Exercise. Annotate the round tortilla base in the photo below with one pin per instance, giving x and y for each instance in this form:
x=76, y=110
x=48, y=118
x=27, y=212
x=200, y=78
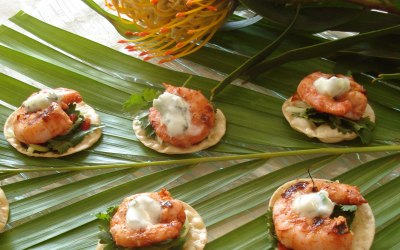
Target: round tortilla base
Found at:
x=197, y=237
x=4, y=210
x=87, y=142
x=363, y=225
x=216, y=133
x=323, y=132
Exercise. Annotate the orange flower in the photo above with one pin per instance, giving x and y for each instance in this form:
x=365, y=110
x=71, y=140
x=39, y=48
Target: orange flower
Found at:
x=171, y=29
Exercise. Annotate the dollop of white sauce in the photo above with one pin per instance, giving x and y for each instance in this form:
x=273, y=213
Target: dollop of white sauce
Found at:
x=175, y=114
x=313, y=205
x=142, y=211
x=334, y=86
x=41, y=100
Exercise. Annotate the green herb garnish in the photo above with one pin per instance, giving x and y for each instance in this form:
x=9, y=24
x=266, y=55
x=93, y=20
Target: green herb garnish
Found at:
x=348, y=208
x=141, y=101
x=347, y=211
x=62, y=143
x=104, y=228
x=145, y=124
x=72, y=110
x=363, y=127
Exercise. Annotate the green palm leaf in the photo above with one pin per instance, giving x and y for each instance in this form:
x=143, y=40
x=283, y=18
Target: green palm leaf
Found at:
x=55, y=209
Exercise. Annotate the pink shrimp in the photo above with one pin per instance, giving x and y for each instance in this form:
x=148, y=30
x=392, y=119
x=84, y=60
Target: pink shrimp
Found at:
x=325, y=233
x=39, y=126
x=202, y=116
x=171, y=221
x=68, y=96
x=351, y=104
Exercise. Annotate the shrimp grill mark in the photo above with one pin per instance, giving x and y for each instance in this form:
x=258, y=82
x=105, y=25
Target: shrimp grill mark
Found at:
x=318, y=221
x=204, y=118
x=44, y=114
x=294, y=188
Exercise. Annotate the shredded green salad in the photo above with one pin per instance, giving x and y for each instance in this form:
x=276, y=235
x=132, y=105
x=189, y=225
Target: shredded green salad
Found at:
x=362, y=127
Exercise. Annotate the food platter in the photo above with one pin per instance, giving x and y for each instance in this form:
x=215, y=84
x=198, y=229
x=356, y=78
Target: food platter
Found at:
x=55, y=209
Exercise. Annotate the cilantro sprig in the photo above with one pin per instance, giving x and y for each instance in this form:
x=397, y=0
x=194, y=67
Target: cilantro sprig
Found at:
x=347, y=211
x=141, y=101
x=362, y=127
x=72, y=110
x=139, y=104
x=104, y=228
x=62, y=143
x=143, y=118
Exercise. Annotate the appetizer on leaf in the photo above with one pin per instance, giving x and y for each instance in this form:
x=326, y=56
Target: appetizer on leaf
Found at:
x=321, y=214
x=53, y=123
x=332, y=108
x=151, y=221
x=183, y=121
x=4, y=210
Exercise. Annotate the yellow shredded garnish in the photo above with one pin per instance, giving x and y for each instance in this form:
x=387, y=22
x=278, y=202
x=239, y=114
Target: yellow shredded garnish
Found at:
x=171, y=29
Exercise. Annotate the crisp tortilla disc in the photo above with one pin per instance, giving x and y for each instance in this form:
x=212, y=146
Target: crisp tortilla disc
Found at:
x=363, y=225
x=216, y=133
x=323, y=132
x=197, y=232
x=4, y=210
x=88, y=141
x=197, y=237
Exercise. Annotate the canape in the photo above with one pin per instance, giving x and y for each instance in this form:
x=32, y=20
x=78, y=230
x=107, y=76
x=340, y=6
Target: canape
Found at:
x=53, y=123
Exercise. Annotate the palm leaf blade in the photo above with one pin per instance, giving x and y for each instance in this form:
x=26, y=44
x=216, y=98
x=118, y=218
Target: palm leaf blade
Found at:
x=46, y=216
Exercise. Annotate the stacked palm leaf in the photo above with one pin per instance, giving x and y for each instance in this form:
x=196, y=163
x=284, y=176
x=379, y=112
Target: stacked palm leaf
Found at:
x=55, y=209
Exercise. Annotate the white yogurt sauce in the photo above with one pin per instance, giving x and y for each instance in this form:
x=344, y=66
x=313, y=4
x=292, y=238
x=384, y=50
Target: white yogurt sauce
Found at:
x=313, y=205
x=333, y=86
x=41, y=100
x=142, y=211
x=175, y=114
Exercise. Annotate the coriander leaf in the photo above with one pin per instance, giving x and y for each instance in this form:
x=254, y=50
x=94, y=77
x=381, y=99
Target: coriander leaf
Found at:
x=135, y=103
x=72, y=109
x=104, y=228
x=108, y=214
x=365, y=131
x=77, y=123
x=150, y=94
x=77, y=136
x=347, y=211
x=141, y=101
x=60, y=146
x=348, y=208
x=62, y=143
x=145, y=124
x=362, y=127
x=80, y=135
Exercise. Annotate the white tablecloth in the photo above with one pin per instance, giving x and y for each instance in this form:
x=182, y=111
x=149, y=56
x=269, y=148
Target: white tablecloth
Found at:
x=9, y=8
